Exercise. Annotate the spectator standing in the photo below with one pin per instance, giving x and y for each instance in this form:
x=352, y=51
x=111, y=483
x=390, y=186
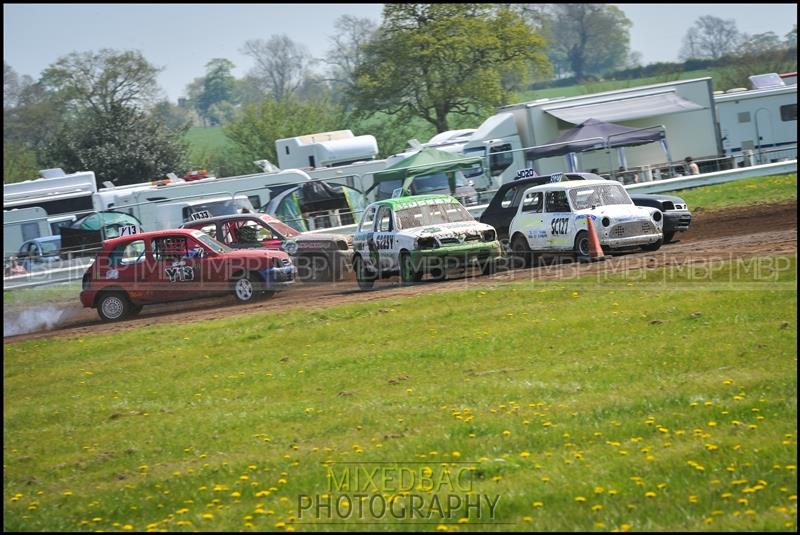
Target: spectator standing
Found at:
x=691, y=166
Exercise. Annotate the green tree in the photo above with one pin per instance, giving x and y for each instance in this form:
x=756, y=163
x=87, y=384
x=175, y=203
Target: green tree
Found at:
x=254, y=131
x=19, y=162
x=123, y=145
x=435, y=60
x=587, y=38
x=218, y=86
x=103, y=80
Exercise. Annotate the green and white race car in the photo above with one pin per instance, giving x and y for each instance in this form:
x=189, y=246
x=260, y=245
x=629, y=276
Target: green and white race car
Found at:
x=411, y=236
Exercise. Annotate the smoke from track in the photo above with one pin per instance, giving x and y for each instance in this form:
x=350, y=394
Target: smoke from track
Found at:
x=37, y=318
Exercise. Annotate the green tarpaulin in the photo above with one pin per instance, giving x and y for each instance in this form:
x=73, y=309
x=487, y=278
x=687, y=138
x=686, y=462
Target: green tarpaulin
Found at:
x=427, y=161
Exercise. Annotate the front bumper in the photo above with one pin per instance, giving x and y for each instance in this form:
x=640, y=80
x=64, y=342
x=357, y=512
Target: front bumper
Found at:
x=459, y=255
x=630, y=241
x=277, y=278
x=677, y=220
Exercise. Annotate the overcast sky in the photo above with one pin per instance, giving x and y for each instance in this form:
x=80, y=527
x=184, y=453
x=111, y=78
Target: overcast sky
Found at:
x=182, y=38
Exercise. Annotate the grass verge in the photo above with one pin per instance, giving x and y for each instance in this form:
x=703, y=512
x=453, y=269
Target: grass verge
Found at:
x=663, y=403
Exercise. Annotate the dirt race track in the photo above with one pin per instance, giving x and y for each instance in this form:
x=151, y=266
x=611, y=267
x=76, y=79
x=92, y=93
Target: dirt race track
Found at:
x=757, y=230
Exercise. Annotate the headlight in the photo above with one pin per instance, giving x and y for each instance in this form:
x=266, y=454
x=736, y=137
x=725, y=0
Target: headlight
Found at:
x=427, y=243
x=489, y=235
x=657, y=217
x=290, y=246
x=342, y=245
x=606, y=221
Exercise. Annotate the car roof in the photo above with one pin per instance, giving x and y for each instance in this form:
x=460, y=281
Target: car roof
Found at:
x=152, y=234
x=572, y=184
x=229, y=217
x=399, y=202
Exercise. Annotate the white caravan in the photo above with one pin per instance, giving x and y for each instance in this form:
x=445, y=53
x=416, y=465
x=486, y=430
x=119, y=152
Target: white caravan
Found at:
x=758, y=119
x=57, y=193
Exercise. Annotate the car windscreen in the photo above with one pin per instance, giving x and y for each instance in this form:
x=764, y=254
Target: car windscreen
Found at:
x=211, y=243
x=283, y=228
x=598, y=195
x=435, y=213
x=50, y=248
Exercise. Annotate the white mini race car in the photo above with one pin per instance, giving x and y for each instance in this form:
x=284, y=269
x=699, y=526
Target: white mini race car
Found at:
x=417, y=235
x=552, y=219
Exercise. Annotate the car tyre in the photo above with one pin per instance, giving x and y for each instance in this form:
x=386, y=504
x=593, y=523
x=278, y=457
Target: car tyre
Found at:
x=364, y=276
x=113, y=306
x=408, y=275
x=653, y=246
x=521, y=250
x=244, y=289
x=582, y=244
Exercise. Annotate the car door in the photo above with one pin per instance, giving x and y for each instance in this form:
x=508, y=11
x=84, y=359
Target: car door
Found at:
x=385, y=239
x=128, y=267
x=175, y=274
x=364, y=239
x=558, y=220
x=531, y=219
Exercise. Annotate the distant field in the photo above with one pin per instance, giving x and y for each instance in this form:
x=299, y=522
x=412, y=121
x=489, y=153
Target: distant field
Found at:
x=611, y=85
x=204, y=141
x=666, y=404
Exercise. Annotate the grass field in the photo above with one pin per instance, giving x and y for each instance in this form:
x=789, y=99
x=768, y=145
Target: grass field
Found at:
x=658, y=404
x=766, y=189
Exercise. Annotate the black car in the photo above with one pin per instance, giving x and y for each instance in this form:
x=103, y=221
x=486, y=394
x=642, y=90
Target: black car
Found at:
x=676, y=212
x=503, y=206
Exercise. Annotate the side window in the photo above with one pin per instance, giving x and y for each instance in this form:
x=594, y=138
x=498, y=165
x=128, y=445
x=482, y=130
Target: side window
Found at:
x=266, y=233
x=127, y=253
x=532, y=202
x=789, y=112
x=368, y=220
x=499, y=162
x=556, y=201
x=385, y=219
x=169, y=248
x=248, y=231
x=211, y=230
x=30, y=231
x=508, y=198
x=255, y=201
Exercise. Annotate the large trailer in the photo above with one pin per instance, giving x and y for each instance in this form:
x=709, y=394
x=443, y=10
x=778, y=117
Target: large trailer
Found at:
x=21, y=225
x=757, y=119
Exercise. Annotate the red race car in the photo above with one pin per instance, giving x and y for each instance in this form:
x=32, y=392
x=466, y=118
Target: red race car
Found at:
x=317, y=257
x=176, y=265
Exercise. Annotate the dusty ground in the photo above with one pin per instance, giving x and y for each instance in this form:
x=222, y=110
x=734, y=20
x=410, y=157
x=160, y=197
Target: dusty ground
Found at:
x=757, y=230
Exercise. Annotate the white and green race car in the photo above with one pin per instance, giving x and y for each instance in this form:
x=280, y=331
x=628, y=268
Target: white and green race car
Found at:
x=411, y=236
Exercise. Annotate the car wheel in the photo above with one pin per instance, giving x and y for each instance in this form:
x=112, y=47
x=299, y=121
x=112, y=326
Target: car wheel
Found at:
x=408, y=275
x=653, y=246
x=668, y=236
x=243, y=289
x=582, y=244
x=521, y=250
x=364, y=276
x=113, y=306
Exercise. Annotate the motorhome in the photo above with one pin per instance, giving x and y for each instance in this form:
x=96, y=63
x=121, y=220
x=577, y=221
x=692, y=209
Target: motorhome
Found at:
x=758, y=119
x=325, y=149
x=56, y=192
